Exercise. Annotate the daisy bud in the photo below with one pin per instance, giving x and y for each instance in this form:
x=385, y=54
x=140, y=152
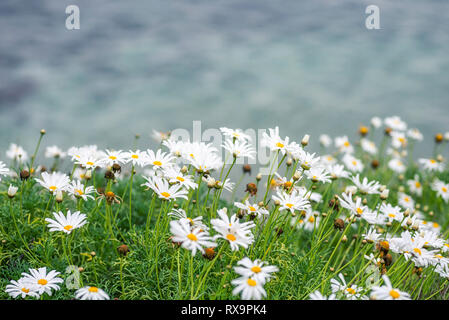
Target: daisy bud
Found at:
x=384, y=194
x=351, y=189
x=363, y=131
x=365, y=202
x=297, y=176
x=184, y=170
x=12, y=191
x=247, y=169
x=175, y=205
x=426, y=208
x=277, y=203
x=331, y=269
x=80, y=269
x=431, y=213
x=88, y=175
x=415, y=226
x=59, y=196
x=289, y=162
x=344, y=239
x=24, y=175
x=240, y=214
x=389, y=224
x=339, y=224
x=123, y=249
x=211, y=183
x=401, y=189
x=259, y=177
x=43, y=131
x=401, y=177
x=92, y=253
x=365, y=241
x=375, y=164
x=305, y=140
x=251, y=188
x=439, y=138
x=404, y=153
x=109, y=175
x=440, y=158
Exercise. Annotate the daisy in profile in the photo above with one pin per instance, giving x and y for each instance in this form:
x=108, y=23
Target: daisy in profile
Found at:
x=204, y=157
x=406, y=201
x=159, y=160
x=112, y=157
x=67, y=223
x=249, y=288
x=306, y=160
x=291, y=201
x=343, y=145
x=137, y=158
x=160, y=136
x=325, y=140
x=356, y=207
x=337, y=171
x=175, y=147
x=190, y=239
x=368, y=146
x=253, y=209
x=89, y=161
x=387, y=292
x=54, y=182
x=371, y=235
x=41, y=281
x=80, y=191
x=4, y=171
x=21, y=288
x=230, y=229
x=54, y=152
x=352, y=163
x=431, y=165
x=239, y=149
x=317, y=295
x=235, y=134
x=257, y=270
x=164, y=190
x=365, y=186
x=175, y=176
x=415, y=134
x=415, y=186
x=91, y=293
x=16, y=153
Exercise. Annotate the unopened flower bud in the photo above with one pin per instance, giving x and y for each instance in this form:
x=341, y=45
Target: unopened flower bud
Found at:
x=184, y=170
x=59, y=196
x=289, y=162
x=12, y=191
x=305, y=140
x=88, y=174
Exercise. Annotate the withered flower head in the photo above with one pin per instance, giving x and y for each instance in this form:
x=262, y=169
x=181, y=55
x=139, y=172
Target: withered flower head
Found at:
x=24, y=175
x=123, y=249
x=247, y=169
x=251, y=188
x=339, y=224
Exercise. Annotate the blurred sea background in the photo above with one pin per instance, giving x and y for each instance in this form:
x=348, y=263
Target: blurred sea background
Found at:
x=307, y=66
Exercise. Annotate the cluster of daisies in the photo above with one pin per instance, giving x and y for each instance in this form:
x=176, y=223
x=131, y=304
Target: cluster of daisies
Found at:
x=174, y=173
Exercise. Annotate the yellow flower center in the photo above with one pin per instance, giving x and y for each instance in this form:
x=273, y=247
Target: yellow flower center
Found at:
x=251, y=282
x=112, y=157
x=347, y=144
x=359, y=211
x=42, y=282
x=406, y=199
x=394, y=294
x=417, y=184
x=252, y=209
x=279, y=145
x=392, y=215
x=79, y=192
x=354, y=163
x=256, y=269
x=432, y=161
x=435, y=225
x=165, y=194
x=135, y=156
x=290, y=205
x=25, y=290
x=192, y=237
x=231, y=237
x=181, y=179
x=418, y=251
x=90, y=163
x=53, y=188
x=350, y=290
x=68, y=227
x=157, y=163
x=444, y=189
x=93, y=289
x=312, y=219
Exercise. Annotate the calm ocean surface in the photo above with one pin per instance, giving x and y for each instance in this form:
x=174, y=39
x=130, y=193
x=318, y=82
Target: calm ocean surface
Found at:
x=307, y=66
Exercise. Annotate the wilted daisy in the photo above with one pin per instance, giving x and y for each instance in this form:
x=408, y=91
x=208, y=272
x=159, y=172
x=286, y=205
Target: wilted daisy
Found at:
x=4, y=171
x=54, y=182
x=42, y=281
x=387, y=292
x=54, y=152
x=67, y=223
x=164, y=190
x=21, y=288
x=190, y=239
x=249, y=288
x=257, y=270
x=91, y=293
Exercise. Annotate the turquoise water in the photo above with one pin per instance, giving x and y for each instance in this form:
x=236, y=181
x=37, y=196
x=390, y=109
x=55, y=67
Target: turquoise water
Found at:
x=307, y=66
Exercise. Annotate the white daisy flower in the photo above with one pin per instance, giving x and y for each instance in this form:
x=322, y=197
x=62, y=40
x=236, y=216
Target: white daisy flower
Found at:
x=256, y=270
x=325, y=140
x=406, y=201
x=376, y=122
x=137, y=158
x=235, y=134
x=91, y=293
x=415, y=186
x=112, y=157
x=431, y=165
x=164, y=190
x=291, y=201
x=16, y=153
x=252, y=209
x=54, y=152
x=4, y=171
x=365, y=186
x=230, y=229
x=317, y=295
x=190, y=239
x=368, y=146
x=395, y=123
x=21, y=288
x=387, y=292
x=249, y=288
x=42, y=281
x=274, y=142
x=239, y=149
x=79, y=190
x=352, y=163
x=54, y=182
x=159, y=160
x=415, y=134
x=67, y=223
x=343, y=145
x=397, y=165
